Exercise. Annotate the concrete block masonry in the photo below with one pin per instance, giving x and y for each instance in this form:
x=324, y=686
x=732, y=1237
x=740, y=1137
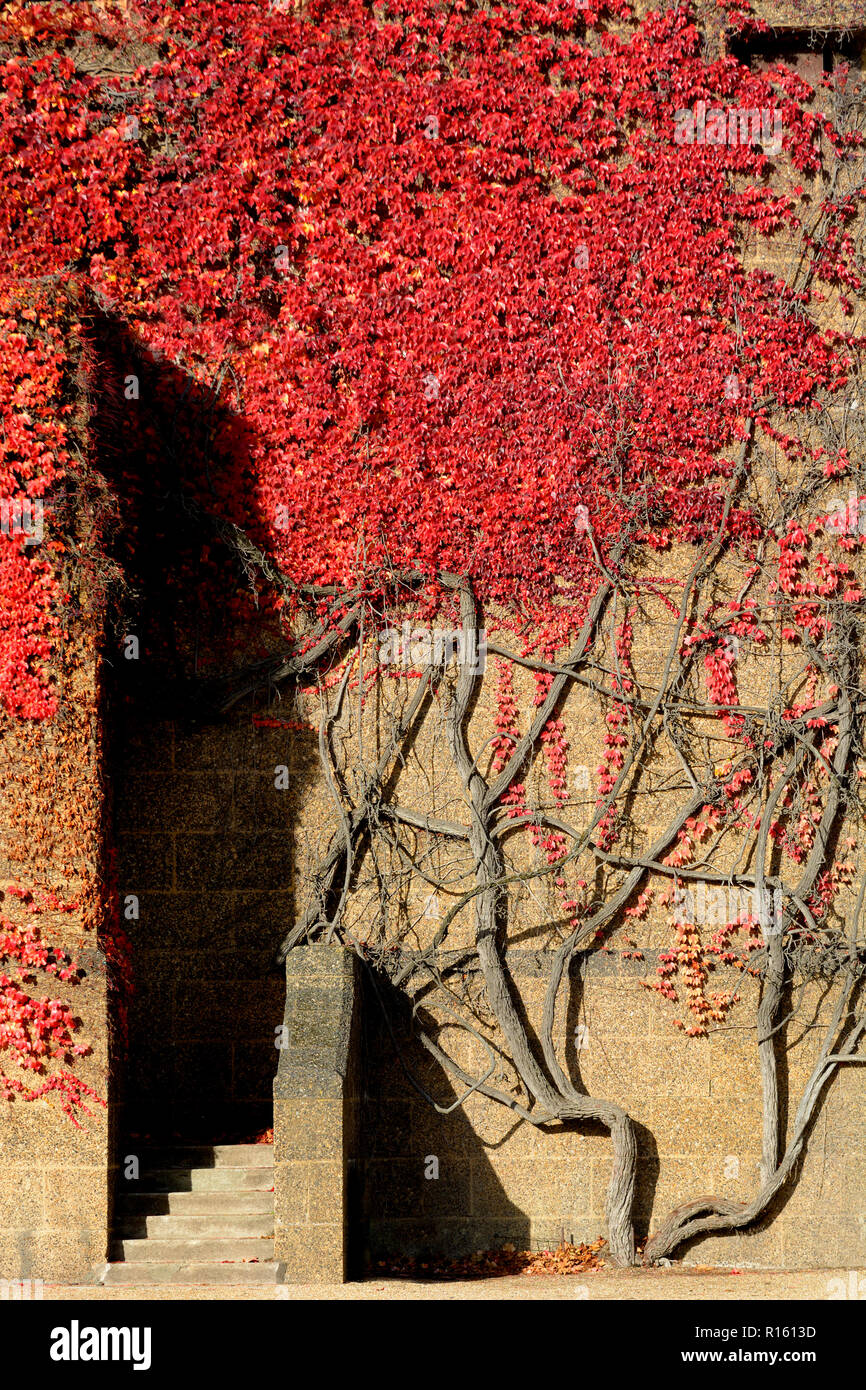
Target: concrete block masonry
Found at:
x=316, y=1122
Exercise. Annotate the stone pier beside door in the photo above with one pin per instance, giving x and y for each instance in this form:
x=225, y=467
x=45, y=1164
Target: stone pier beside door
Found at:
x=316, y=1120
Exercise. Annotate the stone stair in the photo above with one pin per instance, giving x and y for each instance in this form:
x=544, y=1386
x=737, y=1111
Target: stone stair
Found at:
x=202, y=1215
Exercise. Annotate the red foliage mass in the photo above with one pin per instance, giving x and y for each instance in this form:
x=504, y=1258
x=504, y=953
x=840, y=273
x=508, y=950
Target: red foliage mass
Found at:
x=463, y=298
x=451, y=264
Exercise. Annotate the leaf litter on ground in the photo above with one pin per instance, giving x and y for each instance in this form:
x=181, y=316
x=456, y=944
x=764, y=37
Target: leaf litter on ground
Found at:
x=486, y=1264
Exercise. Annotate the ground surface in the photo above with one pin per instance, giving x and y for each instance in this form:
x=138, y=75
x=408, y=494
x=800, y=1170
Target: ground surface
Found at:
x=663, y=1284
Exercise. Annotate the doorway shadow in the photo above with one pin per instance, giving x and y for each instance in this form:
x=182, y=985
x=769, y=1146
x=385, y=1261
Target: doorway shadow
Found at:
x=202, y=805
x=427, y=1187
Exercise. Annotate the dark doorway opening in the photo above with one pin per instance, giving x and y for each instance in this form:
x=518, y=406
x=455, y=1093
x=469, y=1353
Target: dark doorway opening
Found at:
x=202, y=816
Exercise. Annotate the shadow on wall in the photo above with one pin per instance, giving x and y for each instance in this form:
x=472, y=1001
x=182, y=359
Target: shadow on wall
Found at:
x=467, y=1207
x=205, y=844
x=203, y=805
x=428, y=1187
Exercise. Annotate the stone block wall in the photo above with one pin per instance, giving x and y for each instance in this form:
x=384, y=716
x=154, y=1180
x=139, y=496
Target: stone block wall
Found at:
x=696, y=1106
x=55, y=1188
x=811, y=14
x=205, y=845
x=216, y=855
x=695, y=1102
x=316, y=1118
x=56, y=1179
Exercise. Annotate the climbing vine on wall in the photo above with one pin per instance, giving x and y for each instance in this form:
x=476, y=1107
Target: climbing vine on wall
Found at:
x=48, y=780
x=36, y=1031
x=453, y=324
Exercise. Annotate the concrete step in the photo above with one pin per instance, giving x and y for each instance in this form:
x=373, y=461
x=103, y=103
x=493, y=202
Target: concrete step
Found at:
x=176, y=1272
x=255, y=1178
x=139, y=1204
x=195, y=1250
x=208, y=1226
x=186, y=1156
